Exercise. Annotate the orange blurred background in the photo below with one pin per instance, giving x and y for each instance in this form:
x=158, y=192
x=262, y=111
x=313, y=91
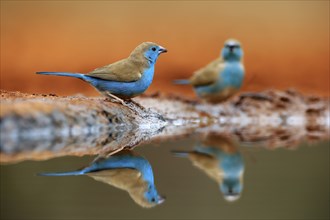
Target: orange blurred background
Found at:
x=286, y=43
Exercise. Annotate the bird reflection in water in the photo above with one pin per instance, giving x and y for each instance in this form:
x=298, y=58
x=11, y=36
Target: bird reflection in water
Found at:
x=218, y=156
x=125, y=170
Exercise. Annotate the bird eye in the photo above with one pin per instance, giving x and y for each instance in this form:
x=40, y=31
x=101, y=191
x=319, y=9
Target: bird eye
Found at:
x=153, y=49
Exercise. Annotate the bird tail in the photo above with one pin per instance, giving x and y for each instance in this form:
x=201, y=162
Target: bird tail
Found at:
x=70, y=173
x=181, y=82
x=75, y=75
x=180, y=153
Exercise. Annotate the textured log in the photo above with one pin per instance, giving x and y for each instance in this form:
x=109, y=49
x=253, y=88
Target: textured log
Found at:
x=45, y=126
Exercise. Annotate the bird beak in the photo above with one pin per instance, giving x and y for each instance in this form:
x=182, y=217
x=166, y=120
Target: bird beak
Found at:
x=161, y=199
x=231, y=48
x=162, y=50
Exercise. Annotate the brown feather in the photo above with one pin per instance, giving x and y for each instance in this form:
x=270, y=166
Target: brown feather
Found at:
x=125, y=179
x=207, y=164
x=122, y=71
x=208, y=74
x=125, y=70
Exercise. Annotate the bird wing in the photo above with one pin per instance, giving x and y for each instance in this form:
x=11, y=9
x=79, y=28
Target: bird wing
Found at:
x=208, y=74
x=121, y=71
x=122, y=178
x=129, y=180
x=207, y=164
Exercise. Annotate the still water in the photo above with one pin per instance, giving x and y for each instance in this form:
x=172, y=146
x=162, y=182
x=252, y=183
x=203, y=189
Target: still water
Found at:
x=213, y=178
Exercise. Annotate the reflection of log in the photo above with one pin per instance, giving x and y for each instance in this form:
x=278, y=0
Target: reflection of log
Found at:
x=45, y=126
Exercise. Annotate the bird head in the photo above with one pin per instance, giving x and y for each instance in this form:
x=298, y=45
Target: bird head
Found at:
x=146, y=195
x=152, y=196
x=232, y=50
x=231, y=188
x=148, y=51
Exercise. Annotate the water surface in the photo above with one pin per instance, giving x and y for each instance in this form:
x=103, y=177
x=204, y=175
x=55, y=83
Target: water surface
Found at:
x=276, y=184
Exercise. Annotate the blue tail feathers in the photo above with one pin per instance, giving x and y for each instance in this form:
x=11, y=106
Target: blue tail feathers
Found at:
x=70, y=173
x=181, y=82
x=75, y=75
x=180, y=153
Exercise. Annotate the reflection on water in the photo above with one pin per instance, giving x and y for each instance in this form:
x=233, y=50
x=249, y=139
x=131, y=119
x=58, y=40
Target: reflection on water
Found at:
x=278, y=183
x=219, y=157
x=125, y=170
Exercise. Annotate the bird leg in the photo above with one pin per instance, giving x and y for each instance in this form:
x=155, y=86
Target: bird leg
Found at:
x=136, y=107
x=115, y=98
x=105, y=155
x=132, y=105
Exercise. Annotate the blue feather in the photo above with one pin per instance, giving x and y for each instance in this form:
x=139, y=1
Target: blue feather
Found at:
x=70, y=173
x=75, y=75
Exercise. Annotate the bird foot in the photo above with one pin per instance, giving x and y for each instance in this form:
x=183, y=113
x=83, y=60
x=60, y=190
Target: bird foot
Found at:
x=131, y=101
x=142, y=111
x=135, y=107
x=132, y=105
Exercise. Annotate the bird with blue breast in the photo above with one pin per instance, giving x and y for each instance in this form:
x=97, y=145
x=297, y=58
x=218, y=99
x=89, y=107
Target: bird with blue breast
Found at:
x=126, y=78
x=218, y=156
x=125, y=170
x=220, y=79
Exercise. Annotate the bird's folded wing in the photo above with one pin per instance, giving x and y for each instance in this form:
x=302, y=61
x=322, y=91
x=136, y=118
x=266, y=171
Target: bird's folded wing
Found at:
x=122, y=178
x=207, y=164
x=208, y=74
x=121, y=71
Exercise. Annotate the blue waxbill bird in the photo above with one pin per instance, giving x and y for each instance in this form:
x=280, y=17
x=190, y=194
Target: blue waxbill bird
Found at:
x=220, y=79
x=219, y=158
x=123, y=79
x=125, y=170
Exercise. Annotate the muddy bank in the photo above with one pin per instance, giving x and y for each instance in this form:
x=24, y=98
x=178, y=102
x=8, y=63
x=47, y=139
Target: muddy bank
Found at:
x=40, y=126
